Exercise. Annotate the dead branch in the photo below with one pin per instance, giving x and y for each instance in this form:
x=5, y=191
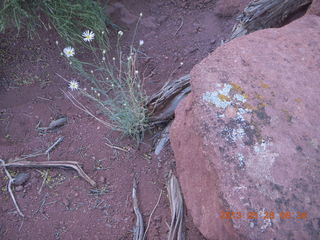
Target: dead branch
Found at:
x=144, y=235
x=48, y=164
x=138, y=228
x=176, y=205
x=163, y=104
x=163, y=139
x=58, y=141
x=261, y=14
x=11, y=179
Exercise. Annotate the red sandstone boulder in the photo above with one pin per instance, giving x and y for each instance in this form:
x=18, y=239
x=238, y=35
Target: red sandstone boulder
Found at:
x=247, y=139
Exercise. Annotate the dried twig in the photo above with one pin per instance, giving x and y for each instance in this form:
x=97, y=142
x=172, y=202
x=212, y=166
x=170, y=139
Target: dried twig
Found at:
x=44, y=180
x=163, y=104
x=9, y=187
x=144, y=235
x=163, y=140
x=115, y=147
x=59, y=140
x=39, y=153
x=176, y=206
x=181, y=24
x=68, y=164
x=138, y=228
x=261, y=14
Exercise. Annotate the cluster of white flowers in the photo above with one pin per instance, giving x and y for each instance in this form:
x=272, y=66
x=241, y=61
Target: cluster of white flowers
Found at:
x=88, y=36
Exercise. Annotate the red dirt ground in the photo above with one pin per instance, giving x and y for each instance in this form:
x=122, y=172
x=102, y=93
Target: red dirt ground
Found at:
x=30, y=91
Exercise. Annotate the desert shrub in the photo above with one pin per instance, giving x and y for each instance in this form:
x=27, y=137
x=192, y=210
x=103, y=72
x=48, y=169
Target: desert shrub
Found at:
x=115, y=85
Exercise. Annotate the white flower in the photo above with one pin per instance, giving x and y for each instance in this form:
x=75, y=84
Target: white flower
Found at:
x=104, y=51
x=68, y=51
x=113, y=58
x=73, y=85
x=103, y=58
x=141, y=14
x=120, y=33
x=57, y=43
x=88, y=36
x=141, y=42
x=136, y=72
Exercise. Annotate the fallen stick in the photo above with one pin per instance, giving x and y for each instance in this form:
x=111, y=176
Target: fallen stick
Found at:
x=138, y=228
x=68, y=164
x=11, y=179
x=261, y=14
x=155, y=207
x=176, y=205
x=163, y=104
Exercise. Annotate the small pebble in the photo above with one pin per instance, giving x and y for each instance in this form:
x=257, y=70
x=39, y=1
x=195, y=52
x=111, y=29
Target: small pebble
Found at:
x=21, y=179
x=102, y=179
x=18, y=188
x=66, y=202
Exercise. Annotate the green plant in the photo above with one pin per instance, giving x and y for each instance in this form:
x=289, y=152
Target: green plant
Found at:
x=18, y=13
x=71, y=17
x=68, y=17
x=116, y=87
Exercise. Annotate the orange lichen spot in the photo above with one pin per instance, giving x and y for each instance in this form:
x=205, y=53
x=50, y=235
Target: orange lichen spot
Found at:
x=246, y=96
x=236, y=88
x=298, y=100
x=287, y=115
x=259, y=97
x=223, y=97
x=264, y=85
x=248, y=106
x=261, y=105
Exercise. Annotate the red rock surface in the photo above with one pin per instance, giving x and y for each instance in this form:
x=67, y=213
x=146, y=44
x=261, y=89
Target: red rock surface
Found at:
x=314, y=8
x=246, y=140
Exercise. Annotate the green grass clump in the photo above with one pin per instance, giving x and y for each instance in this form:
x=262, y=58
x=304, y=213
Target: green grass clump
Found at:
x=69, y=17
x=117, y=88
x=19, y=14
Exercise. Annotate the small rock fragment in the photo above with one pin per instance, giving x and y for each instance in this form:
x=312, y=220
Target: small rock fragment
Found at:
x=21, y=179
x=18, y=188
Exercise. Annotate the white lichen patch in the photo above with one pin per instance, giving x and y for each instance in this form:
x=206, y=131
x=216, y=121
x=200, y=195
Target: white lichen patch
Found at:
x=259, y=163
x=215, y=97
x=239, y=98
x=266, y=221
x=262, y=147
x=238, y=134
x=241, y=160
